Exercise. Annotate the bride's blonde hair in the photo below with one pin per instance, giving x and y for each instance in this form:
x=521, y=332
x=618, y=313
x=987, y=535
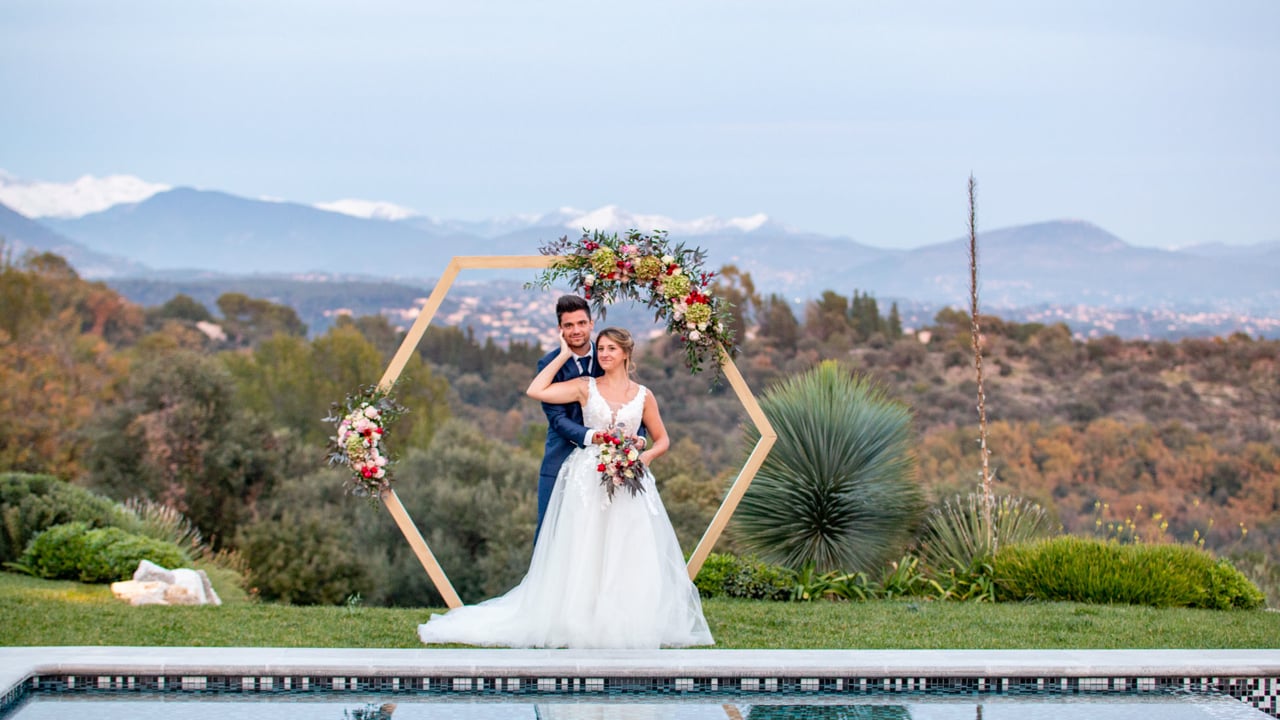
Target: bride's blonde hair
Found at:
x=624, y=340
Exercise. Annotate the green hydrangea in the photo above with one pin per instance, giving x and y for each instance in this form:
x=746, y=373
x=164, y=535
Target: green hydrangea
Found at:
x=674, y=286
x=355, y=446
x=604, y=261
x=648, y=267
x=697, y=314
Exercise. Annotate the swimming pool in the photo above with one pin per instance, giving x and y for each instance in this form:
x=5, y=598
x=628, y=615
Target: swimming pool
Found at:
x=237, y=682
x=722, y=707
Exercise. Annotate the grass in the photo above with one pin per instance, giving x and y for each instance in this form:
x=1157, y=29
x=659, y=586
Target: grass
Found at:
x=43, y=612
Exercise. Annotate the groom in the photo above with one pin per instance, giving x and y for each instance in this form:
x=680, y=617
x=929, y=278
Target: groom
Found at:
x=565, y=430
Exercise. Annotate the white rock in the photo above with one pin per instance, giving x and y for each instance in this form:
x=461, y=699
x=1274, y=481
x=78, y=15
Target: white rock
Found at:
x=140, y=593
x=148, y=571
x=154, y=585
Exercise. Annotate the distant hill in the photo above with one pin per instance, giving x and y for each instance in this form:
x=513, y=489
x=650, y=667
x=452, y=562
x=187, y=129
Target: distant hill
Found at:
x=21, y=234
x=205, y=230
x=1072, y=262
x=1267, y=253
x=1058, y=263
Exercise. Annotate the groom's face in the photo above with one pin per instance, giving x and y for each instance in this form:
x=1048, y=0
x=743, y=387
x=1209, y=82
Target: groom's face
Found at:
x=577, y=326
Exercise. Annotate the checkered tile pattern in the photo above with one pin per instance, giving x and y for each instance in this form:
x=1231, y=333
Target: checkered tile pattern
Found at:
x=1262, y=693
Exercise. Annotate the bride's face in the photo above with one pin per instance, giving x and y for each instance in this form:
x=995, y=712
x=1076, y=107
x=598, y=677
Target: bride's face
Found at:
x=610, y=354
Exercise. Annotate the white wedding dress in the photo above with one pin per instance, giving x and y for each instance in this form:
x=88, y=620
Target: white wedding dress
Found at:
x=605, y=573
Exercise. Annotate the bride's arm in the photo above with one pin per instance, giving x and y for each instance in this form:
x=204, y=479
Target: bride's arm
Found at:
x=545, y=389
x=658, y=441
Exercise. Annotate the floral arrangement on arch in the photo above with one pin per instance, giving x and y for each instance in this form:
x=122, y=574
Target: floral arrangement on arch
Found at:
x=362, y=425
x=669, y=278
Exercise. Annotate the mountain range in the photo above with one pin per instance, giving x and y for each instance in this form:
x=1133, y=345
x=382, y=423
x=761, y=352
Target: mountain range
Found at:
x=186, y=233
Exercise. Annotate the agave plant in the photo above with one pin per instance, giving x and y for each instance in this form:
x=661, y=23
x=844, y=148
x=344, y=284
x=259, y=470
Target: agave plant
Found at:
x=838, y=491
x=957, y=536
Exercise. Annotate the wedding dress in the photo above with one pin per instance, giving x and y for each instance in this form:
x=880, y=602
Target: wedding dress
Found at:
x=605, y=573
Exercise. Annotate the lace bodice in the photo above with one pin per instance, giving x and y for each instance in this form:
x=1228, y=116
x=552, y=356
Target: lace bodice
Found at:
x=597, y=413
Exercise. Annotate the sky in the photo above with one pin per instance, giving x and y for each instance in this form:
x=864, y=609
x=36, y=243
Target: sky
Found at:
x=1158, y=121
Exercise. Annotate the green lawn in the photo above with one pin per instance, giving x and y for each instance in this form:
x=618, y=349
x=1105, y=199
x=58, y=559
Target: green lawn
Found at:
x=41, y=612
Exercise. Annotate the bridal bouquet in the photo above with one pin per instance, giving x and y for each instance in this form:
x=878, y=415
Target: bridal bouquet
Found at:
x=362, y=423
x=620, y=465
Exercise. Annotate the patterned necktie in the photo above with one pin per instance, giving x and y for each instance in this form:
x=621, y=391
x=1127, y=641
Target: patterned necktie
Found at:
x=584, y=365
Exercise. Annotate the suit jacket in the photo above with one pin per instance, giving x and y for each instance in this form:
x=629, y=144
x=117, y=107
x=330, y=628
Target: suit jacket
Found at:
x=565, y=430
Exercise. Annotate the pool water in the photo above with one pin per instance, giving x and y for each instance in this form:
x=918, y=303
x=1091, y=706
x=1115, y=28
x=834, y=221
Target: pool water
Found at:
x=1109, y=706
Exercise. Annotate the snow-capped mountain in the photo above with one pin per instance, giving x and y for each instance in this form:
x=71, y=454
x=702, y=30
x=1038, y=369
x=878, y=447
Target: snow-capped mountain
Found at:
x=87, y=194
x=608, y=218
x=611, y=218
x=369, y=209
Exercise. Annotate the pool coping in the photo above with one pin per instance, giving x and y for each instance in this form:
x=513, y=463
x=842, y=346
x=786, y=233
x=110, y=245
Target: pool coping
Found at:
x=1259, y=668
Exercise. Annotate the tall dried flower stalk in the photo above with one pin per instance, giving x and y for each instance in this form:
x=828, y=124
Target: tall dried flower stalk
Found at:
x=976, y=339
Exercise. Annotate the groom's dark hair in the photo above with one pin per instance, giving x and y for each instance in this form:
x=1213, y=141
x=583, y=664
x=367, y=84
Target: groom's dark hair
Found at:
x=570, y=303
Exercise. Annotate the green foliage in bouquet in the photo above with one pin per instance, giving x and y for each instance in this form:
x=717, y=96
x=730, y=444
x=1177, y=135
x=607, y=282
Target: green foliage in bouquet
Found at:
x=1093, y=571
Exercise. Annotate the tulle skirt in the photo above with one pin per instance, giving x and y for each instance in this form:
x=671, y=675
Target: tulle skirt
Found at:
x=605, y=574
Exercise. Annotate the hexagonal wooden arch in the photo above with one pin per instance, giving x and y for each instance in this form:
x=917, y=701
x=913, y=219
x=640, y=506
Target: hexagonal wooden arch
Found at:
x=516, y=262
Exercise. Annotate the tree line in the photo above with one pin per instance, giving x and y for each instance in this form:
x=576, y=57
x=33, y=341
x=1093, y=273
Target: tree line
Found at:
x=217, y=411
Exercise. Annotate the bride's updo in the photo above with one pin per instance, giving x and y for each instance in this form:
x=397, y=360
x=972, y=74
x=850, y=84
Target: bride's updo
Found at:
x=624, y=340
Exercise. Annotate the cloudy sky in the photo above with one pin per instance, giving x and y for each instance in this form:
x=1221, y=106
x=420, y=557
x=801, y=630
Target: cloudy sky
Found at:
x=1159, y=121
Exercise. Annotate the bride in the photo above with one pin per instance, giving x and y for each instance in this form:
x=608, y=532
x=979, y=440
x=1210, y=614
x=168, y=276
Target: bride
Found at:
x=606, y=572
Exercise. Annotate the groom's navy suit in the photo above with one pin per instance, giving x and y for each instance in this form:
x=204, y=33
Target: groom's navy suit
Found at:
x=565, y=430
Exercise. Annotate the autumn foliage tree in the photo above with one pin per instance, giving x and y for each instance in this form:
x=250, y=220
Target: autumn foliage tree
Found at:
x=57, y=360
x=179, y=437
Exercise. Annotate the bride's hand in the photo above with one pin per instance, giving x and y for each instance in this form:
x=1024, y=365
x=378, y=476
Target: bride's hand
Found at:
x=564, y=346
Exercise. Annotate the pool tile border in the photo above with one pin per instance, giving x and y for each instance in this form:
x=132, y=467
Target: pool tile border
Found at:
x=1252, y=677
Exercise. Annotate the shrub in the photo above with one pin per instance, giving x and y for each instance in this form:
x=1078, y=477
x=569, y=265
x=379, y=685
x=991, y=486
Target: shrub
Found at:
x=1092, y=571
x=957, y=539
x=715, y=569
x=838, y=489
x=75, y=551
x=724, y=575
x=302, y=557
x=30, y=504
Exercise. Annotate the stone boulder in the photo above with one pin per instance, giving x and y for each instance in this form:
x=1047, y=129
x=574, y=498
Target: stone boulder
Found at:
x=154, y=585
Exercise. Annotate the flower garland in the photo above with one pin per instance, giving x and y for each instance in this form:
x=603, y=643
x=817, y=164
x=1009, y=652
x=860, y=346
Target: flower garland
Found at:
x=646, y=268
x=363, y=422
x=620, y=465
